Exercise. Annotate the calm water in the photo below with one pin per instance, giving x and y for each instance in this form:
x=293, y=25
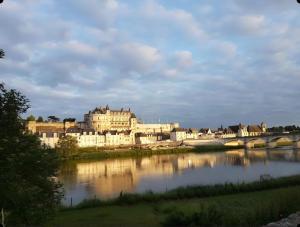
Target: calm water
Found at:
x=106, y=179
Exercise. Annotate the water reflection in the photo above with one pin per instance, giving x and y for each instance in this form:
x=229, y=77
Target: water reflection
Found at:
x=107, y=178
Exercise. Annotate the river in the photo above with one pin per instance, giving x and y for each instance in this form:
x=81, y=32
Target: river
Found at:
x=105, y=179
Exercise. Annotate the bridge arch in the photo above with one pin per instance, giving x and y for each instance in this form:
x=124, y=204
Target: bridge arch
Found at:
x=233, y=142
x=253, y=142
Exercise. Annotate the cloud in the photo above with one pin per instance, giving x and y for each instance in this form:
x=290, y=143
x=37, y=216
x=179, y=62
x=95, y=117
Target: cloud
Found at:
x=200, y=63
x=135, y=57
x=183, y=59
x=173, y=17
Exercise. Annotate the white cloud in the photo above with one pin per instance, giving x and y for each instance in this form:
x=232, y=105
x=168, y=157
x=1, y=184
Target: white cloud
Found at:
x=135, y=57
x=173, y=17
x=183, y=59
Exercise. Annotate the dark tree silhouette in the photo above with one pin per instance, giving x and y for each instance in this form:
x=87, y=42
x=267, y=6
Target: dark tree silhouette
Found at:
x=53, y=119
x=29, y=192
x=2, y=54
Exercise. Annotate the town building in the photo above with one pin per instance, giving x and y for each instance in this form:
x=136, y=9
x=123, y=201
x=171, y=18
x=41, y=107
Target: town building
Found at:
x=178, y=134
x=146, y=138
x=243, y=130
x=228, y=133
x=91, y=138
x=49, y=139
x=192, y=133
x=155, y=128
x=48, y=126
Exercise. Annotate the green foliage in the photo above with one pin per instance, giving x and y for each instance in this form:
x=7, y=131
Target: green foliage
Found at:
x=69, y=120
x=40, y=119
x=205, y=216
x=191, y=192
x=89, y=153
x=29, y=193
x=260, y=211
x=241, y=209
x=2, y=54
x=67, y=146
x=281, y=129
x=31, y=118
x=53, y=118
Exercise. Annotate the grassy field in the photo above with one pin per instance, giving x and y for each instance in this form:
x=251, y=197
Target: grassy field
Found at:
x=243, y=209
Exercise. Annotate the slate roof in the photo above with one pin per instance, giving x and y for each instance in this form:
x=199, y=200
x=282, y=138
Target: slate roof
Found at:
x=254, y=128
x=179, y=130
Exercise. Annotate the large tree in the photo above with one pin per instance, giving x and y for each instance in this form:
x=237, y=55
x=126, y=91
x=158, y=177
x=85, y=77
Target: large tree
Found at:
x=67, y=146
x=30, y=118
x=29, y=191
x=40, y=119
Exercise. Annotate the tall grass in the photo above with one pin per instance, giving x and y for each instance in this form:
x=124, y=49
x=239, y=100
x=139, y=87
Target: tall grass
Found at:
x=194, y=192
x=259, y=213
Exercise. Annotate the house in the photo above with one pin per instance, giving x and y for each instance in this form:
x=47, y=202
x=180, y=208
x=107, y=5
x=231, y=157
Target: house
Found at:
x=250, y=130
x=87, y=138
x=240, y=130
x=49, y=138
x=178, y=134
x=192, y=133
x=257, y=130
x=228, y=133
x=145, y=138
x=205, y=131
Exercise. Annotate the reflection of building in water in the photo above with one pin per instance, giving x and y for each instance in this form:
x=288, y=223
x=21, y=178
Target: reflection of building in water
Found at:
x=110, y=177
x=245, y=158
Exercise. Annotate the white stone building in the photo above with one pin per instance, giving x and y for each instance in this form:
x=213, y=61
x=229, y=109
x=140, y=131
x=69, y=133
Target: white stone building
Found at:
x=49, y=138
x=192, y=134
x=178, y=134
x=146, y=138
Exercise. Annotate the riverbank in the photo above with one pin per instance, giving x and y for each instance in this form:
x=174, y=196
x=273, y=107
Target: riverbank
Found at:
x=190, y=192
x=241, y=209
x=96, y=153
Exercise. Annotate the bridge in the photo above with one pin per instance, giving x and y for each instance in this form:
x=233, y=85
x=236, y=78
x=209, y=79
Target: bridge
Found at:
x=270, y=140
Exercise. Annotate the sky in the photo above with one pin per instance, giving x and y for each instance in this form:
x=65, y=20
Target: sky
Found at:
x=202, y=63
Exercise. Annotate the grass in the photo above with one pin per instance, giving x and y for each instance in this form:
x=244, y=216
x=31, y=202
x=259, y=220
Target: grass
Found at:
x=189, y=192
x=242, y=209
x=92, y=153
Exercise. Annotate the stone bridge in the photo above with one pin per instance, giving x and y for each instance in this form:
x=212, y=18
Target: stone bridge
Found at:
x=269, y=140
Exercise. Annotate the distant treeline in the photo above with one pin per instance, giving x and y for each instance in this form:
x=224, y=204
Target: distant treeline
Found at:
x=288, y=128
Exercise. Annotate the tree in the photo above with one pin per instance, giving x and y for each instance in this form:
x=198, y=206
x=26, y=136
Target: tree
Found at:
x=31, y=118
x=40, y=119
x=28, y=190
x=2, y=54
x=67, y=146
x=53, y=118
x=69, y=120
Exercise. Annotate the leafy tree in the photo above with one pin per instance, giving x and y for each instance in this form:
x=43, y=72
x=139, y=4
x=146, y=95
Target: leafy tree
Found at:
x=67, y=146
x=28, y=191
x=40, y=119
x=69, y=120
x=53, y=118
x=2, y=54
x=31, y=118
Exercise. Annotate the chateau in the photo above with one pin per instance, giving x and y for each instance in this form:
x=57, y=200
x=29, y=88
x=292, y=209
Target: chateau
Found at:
x=104, y=119
x=103, y=127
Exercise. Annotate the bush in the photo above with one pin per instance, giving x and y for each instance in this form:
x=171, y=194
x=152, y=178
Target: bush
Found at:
x=206, y=216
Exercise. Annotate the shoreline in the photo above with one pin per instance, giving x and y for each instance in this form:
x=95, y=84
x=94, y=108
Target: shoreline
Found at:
x=94, y=153
x=191, y=192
